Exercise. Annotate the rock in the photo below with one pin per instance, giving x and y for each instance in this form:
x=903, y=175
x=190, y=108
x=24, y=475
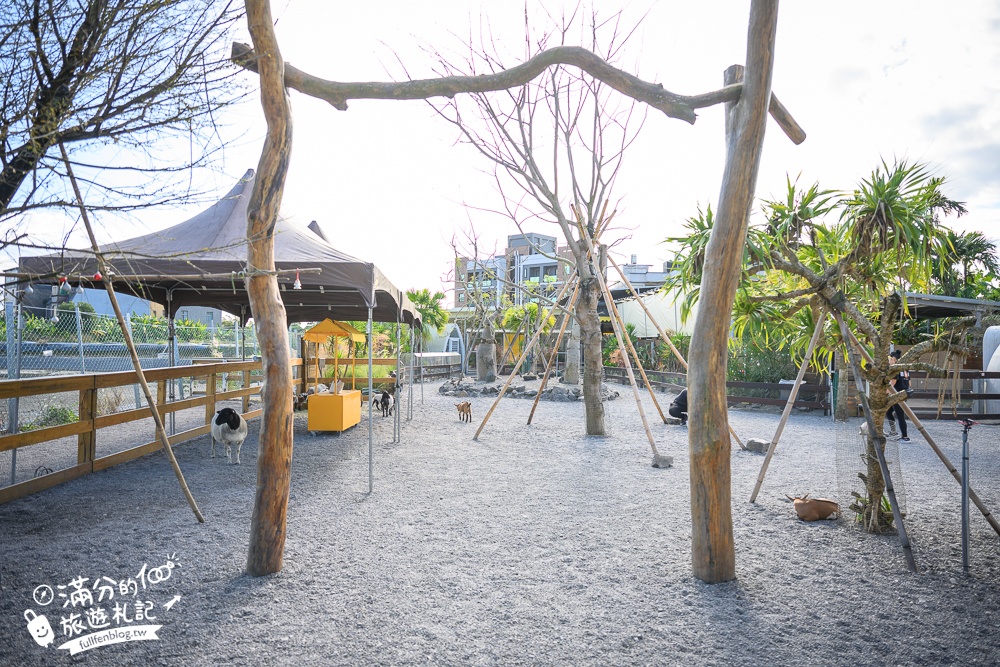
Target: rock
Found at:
x=527, y=377
x=461, y=393
x=531, y=393
x=758, y=446
x=663, y=461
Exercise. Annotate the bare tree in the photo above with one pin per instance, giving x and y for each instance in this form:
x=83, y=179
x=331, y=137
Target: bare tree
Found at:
x=556, y=145
x=87, y=73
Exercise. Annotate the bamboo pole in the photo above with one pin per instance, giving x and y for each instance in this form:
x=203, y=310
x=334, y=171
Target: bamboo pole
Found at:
x=879, y=439
x=510, y=378
x=635, y=355
x=555, y=350
x=792, y=395
x=102, y=267
x=937, y=450
x=663, y=335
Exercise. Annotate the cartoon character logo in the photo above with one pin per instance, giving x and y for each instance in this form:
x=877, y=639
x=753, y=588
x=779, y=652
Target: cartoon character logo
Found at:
x=39, y=628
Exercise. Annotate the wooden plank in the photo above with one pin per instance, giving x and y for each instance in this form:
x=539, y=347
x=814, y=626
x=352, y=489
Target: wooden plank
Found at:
x=37, y=484
x=149, y=448
x=43, y=435
x=37, y=386
x=123, y=417
x=121, y=457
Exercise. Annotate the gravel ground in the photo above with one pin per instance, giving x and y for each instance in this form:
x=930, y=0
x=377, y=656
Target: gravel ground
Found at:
x=535, y=545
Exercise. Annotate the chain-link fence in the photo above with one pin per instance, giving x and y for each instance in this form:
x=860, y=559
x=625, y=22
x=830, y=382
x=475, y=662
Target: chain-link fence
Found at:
x=82, y=342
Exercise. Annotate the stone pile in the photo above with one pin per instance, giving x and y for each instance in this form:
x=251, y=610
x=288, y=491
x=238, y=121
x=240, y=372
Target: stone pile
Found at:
x=467, y=387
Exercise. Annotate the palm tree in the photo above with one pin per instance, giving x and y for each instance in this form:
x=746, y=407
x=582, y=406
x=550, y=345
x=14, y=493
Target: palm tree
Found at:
x=882, y=239
x=968, y=264
x=432, y=314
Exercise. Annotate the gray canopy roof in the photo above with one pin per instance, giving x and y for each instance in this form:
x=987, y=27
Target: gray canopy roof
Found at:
x=200, y=262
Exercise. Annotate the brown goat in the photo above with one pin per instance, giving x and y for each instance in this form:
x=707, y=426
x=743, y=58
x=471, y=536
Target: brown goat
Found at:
x=815, y=509
x=464, y=411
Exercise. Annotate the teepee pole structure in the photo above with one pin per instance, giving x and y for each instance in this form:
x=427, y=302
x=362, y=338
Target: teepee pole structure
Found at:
x=619, y=334
x=524, y=355
x=663, y=335
x=973, y=496
x=129, y=343
x=792, y=396
x=567, y=316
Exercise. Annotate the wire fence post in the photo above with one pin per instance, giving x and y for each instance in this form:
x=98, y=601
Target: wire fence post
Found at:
x=79, y=339
x=135, y=387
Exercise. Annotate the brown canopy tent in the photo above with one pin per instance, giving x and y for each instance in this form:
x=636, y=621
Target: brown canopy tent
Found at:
x=201, y=262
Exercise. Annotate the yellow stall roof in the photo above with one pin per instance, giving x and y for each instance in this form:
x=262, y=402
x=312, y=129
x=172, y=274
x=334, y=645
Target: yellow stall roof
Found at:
x=322, y=331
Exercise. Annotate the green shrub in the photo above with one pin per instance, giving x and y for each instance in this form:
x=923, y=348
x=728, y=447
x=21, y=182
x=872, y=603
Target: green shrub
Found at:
x=53, y=415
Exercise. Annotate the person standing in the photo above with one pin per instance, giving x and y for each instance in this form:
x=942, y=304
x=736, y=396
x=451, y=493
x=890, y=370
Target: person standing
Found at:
x=895, y=414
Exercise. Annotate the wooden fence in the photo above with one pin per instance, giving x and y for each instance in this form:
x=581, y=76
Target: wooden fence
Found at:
x=87, y=426
x=811, y=396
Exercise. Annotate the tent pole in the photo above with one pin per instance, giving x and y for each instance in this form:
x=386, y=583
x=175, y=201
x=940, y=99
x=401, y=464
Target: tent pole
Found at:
x=371, y=397
x=243, y=332
x=397, y=423
x=171, y=356
x=409, y=385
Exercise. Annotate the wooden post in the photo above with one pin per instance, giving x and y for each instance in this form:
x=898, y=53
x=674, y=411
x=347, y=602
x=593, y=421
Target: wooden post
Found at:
x=713, y=552
x=792, y=395
x=86, y=443
x=246, y=385
x=210, y=390
x=268, y=525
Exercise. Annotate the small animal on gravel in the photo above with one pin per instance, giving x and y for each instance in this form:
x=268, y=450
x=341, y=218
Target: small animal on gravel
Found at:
x=814, y=509
x=300, y=402
x=229, y=428
x=464, y=411
x=386, y=402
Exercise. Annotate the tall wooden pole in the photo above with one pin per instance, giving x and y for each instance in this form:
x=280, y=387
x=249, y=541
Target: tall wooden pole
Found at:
x=274, y=460
x=713, y=552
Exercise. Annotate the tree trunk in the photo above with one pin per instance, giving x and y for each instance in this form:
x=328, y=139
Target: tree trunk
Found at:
x=593, y=368
x=274, y=461
x=712, y=549
x=486, y=355
x=571, y=371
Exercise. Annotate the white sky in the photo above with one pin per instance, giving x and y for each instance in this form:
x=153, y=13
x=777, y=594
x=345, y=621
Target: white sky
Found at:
x=866, y=80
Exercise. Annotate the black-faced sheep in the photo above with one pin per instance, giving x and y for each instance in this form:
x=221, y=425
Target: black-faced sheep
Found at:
x=229, y=428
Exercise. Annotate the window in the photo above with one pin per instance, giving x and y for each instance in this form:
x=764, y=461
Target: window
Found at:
x=211, y=317
x=461, y=298
x=184, y=314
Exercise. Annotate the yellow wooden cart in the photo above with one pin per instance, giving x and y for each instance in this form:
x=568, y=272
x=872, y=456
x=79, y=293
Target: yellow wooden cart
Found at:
x=340, y=409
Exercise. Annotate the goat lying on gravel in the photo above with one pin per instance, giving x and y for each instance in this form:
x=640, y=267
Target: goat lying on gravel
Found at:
x=814, y=509
x=229, y=428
